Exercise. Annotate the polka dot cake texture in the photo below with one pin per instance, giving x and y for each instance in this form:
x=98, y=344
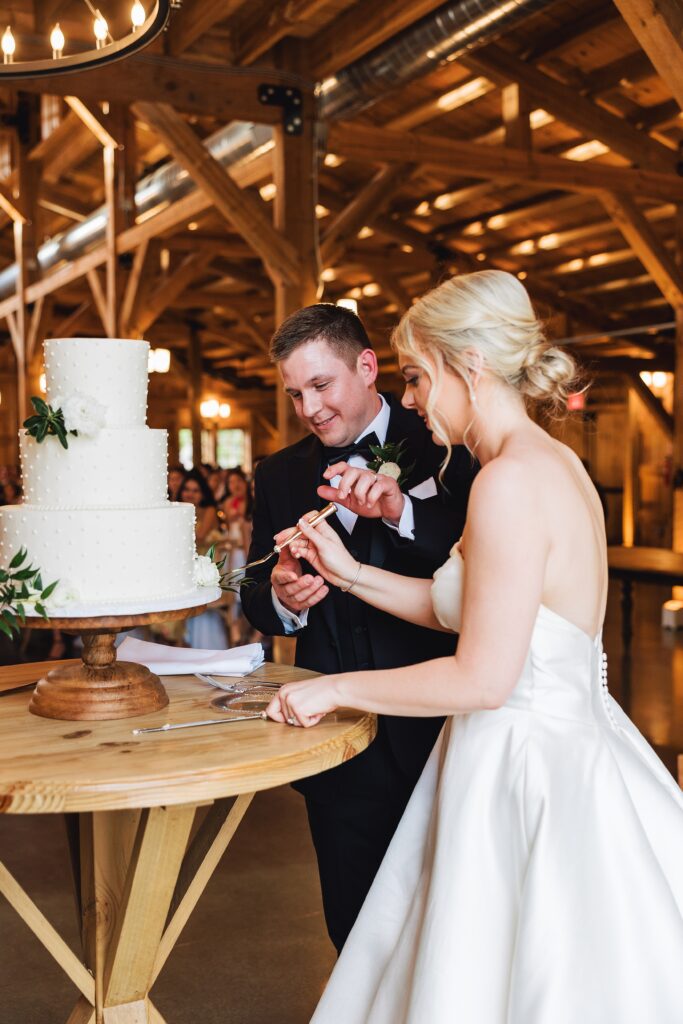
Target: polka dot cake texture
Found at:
x=97, y=514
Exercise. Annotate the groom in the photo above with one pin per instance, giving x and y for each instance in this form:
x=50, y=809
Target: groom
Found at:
x=329, y=370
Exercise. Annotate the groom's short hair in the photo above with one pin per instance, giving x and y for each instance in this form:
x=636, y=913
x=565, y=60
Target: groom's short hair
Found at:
x=339, y=327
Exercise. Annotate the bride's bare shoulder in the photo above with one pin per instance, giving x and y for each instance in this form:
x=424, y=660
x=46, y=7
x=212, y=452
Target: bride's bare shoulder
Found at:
x=511, y=479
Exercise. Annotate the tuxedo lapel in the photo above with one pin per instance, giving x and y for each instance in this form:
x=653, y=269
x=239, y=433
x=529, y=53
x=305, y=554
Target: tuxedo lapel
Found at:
x=303, y=471
x=403, y=426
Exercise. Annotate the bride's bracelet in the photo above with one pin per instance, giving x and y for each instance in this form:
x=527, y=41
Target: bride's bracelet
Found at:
x=353, y=582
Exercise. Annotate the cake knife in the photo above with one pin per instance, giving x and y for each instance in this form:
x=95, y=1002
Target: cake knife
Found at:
x=323, y=514
x=190, y=725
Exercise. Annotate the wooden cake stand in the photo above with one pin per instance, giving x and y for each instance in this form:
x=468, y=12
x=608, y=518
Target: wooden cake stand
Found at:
x=101, y=688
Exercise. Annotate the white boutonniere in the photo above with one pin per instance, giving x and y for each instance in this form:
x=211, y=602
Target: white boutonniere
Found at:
x=387, y=461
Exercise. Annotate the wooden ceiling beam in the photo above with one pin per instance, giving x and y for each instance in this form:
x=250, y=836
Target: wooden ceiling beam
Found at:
x=228, y=93
x=573, y=109
x=95, y=121
x=658, y=27
x=639, y=234
x=192, y=267
x=194, y=19
x=360, y=29
x=368, y=202
x=246, y=173
x=281, y=19
x=361, y=142
x=248, y=213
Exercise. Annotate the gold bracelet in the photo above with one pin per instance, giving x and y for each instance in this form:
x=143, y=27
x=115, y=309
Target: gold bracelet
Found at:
x=353, y=582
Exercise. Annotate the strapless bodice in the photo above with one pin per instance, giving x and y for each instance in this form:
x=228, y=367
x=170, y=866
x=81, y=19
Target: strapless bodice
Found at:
x=565, y=672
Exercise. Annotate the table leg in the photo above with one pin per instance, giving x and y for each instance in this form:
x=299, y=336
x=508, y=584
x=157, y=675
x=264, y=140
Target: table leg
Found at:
x=141, y=882
x=626, y=613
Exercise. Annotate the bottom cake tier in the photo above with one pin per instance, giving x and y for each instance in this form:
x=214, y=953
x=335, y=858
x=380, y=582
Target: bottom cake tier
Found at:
x=105, y=556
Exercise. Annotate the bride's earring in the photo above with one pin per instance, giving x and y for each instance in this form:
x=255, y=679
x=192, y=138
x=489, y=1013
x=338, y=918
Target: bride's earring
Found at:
x=472, y=393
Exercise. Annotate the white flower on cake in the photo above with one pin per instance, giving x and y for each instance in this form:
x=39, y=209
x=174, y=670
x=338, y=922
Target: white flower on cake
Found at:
x=64, y=594
x=82, y=413
x=391, y=469
x=206, y=572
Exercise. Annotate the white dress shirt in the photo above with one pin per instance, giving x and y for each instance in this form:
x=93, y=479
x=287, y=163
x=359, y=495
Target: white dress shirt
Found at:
x=405, y=528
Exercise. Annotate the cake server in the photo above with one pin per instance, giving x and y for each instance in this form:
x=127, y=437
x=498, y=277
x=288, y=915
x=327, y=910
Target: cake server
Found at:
x=323, y=514
x=191, y=725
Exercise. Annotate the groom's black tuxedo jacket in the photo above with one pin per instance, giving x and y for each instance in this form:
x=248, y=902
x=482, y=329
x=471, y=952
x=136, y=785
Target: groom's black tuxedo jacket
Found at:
x=285, y=489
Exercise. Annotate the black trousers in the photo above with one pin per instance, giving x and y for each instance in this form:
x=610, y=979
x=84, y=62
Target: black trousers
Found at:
x=351, y=837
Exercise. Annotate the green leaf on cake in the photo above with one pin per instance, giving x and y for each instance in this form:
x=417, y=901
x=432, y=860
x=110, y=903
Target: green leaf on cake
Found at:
x=5, y=628
x=19, y=558
x=41, y=611
x=49, y=590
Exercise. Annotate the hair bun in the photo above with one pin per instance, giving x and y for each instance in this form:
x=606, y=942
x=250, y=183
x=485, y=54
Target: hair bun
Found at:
x=548, y=375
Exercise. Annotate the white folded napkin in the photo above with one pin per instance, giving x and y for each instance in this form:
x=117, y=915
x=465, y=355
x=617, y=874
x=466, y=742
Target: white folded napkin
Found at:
x=183, y=661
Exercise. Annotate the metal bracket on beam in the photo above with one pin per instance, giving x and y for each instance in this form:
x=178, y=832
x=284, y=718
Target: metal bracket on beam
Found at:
x=289, y=99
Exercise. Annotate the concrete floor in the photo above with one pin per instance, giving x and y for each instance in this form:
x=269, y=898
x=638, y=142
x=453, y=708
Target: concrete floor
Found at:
x=255, y=951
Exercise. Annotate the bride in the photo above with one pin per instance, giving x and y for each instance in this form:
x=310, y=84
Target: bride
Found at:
x=537, y=874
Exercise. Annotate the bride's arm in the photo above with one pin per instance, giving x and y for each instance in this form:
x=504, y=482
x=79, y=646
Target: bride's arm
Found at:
x=505, y=556
x=406, y=597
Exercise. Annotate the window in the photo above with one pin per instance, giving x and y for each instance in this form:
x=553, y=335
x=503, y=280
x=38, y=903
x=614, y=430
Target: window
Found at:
x=233, y=449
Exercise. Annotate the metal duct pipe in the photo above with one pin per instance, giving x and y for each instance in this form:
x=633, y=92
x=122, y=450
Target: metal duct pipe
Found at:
x=448, y=32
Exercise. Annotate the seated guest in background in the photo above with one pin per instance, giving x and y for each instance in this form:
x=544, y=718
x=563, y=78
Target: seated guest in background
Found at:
x=237, y=511
x=196, y=490
x=176, y=476
x=216, y=480
x=208, y=629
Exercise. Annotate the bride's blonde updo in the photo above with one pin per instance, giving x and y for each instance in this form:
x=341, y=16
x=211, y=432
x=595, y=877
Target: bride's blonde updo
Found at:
x=486, y=320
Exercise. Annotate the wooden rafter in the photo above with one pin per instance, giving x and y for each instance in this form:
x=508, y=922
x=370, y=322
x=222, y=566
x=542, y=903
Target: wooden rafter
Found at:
x=12, y=204
x=174, y=285
x=246, y=212
x=638, y=232
x=229, y=93
x=282, y=17
x=133, y=282
x=569, y=106
x=366, y=205
x=658, y=27
x=361, y=142
x=246, y=174
x=351, y=35
x=100, y=299
x=38, y=326
x=195, y=18
x=94, y=120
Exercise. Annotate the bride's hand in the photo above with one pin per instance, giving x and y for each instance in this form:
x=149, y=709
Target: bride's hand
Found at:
x=304, y=703
x=323, y=550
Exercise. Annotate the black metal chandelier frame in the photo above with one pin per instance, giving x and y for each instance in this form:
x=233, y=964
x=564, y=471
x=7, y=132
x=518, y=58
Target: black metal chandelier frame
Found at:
x=117, y=49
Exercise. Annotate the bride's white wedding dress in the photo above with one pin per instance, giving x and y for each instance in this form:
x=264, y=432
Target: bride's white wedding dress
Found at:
x=537, y=874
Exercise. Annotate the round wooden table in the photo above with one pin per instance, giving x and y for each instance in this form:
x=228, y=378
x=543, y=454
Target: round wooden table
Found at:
x=130, y=803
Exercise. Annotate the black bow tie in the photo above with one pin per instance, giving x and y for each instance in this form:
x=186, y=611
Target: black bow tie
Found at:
x=360, y=447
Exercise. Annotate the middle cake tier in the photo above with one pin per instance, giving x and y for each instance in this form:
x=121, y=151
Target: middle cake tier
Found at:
x=115, y=469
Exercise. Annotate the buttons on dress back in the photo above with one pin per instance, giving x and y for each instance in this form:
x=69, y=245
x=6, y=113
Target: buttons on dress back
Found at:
x=604, y=692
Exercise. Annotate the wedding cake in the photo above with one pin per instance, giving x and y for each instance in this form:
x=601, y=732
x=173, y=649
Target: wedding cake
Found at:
x=96, y=515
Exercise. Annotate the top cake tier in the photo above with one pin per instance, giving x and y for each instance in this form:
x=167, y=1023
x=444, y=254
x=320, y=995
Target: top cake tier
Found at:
x=111, y=370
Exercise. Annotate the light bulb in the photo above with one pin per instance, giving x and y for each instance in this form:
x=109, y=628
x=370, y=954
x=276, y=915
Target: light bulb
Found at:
x=224, y=410
x=57, y=42
x=209, y=408
x=42, y=383
x=9, y=45
x=137, y=15
x=101, y=30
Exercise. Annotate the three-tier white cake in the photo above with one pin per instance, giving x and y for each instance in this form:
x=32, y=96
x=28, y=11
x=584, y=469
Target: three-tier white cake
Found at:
x=96, y=515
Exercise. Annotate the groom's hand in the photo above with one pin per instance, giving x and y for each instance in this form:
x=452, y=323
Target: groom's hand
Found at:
x=364, y=492
x=295, y=589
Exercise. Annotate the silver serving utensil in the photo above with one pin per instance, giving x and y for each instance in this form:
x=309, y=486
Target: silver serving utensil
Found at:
x=168, y=726
x=236, y=687
x=323, y=514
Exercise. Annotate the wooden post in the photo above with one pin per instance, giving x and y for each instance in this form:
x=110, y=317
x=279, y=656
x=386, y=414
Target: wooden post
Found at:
x=119, y=190
x=677, y=533
x=295, y=172
x=630, y=502
x=195, y=390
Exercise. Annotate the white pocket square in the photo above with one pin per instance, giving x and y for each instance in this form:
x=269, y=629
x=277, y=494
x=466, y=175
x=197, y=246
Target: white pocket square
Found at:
x=427, y=489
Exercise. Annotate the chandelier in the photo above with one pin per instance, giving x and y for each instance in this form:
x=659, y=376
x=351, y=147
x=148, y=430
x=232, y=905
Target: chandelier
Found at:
x=107, y=33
